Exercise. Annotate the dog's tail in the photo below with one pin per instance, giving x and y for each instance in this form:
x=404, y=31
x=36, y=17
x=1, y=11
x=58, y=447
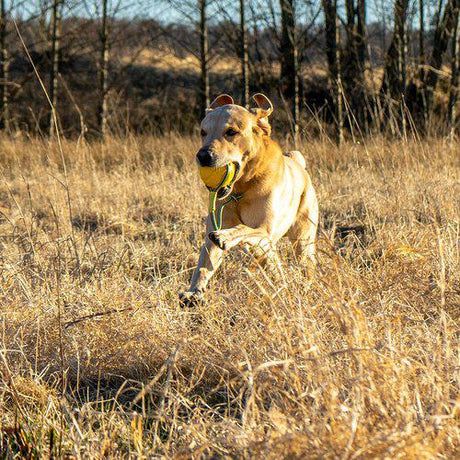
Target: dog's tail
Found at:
x=297, y=156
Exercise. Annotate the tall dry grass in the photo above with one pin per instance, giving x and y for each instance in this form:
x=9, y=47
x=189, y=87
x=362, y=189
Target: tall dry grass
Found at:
x=96, y=358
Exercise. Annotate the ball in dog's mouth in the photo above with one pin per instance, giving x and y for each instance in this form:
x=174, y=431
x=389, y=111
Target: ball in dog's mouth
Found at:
x=225, y=191
x=221, y=177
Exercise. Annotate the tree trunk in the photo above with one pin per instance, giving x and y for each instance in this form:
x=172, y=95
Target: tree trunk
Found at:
x=333, y=61
x=361, y=36
x=452, y=118
x=339, y=92
x=289, y=62
x=421, y=37
x=204, y=57
x=355, y=56
x=393, y=79
x=393, y=88
x=442, y=33
x=244, y=57
x=54, y=70
x=103, y=71
x=422, y=60
x=350, y=53
x=330, y=13
x=4, y=96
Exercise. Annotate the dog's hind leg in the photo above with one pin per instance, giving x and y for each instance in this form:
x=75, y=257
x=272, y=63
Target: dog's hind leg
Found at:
x=265, y=255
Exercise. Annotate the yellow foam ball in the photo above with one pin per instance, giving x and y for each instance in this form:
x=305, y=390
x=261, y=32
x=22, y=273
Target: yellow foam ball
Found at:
x=214, y=177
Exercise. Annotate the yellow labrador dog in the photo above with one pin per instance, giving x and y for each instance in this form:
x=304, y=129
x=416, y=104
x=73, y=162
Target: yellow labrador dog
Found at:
x=276, y=194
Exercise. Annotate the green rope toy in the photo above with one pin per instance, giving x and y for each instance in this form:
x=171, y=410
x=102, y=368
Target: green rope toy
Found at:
x=216, y=179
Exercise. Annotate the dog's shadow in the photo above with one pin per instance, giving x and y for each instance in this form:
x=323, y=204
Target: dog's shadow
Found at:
x=351, y=239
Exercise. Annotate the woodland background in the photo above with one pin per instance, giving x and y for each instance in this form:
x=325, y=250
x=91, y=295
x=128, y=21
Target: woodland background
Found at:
x=350, y=67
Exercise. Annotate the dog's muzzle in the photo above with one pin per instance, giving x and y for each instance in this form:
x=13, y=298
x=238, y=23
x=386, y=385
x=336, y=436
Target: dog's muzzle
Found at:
x=206, y=157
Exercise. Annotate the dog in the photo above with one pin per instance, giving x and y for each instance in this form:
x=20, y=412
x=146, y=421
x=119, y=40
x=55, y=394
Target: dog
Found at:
x=276, y=195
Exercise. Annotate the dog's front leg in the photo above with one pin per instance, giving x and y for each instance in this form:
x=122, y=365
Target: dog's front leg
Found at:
x=228, y=238
x=209, y=261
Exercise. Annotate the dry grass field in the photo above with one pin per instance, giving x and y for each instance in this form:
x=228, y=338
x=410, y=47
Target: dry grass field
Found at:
x=98, y=360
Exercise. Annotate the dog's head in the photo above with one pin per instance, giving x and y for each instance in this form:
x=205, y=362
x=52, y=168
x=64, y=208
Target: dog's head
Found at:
x=231, y=133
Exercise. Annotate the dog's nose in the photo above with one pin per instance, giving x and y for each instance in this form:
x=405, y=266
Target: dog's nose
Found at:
x=205, y=157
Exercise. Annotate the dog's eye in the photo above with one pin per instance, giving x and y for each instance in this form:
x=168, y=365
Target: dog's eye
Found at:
x=203, y=133
x=231, y=132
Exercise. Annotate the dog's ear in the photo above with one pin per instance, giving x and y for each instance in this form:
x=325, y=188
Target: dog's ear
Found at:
x=263, y=110
x=264, y=105
x=219, y=101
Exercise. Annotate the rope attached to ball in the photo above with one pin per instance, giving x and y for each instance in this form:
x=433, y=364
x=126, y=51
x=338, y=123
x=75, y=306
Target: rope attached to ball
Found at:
x=210, y=177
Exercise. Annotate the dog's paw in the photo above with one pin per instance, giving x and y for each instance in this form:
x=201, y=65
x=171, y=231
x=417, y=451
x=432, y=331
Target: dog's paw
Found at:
x=220, y=239
x=190, y=298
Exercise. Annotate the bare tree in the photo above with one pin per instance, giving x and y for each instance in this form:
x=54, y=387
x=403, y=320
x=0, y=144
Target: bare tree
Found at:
x=356, y=48
x=204, y=56
x=453, y=96
x=289, y=62
x=394, y=78
x=339, y=90
x=4, y=96
x=361, y=36
x=244, y=56
x=444, y=30
x=195, y=12
x=421, y=37
x=355, y=57
x=332, y=30
x=103, y=71
x=422, y=60
x=330, y=17
x=54, y=69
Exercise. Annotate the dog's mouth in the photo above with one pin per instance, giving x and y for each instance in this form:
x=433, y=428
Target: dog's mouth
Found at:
x=225, y=191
